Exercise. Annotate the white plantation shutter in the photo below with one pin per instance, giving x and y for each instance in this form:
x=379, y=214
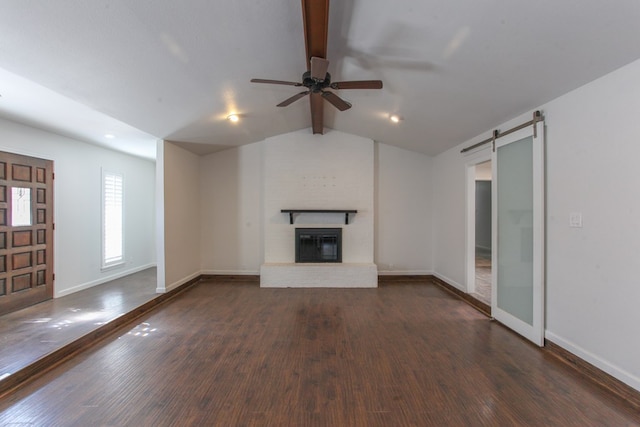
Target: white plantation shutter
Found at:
x=112, y=230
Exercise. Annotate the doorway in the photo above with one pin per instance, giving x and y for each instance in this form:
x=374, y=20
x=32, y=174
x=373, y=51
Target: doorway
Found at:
x=517, y=227
x=479, y=240
x=483, y=232
x=26, y=231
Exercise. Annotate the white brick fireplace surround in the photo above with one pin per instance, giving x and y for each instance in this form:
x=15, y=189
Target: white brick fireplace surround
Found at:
x=325, y=172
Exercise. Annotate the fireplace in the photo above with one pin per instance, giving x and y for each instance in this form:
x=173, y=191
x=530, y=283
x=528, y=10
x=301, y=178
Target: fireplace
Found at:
x=318, y=245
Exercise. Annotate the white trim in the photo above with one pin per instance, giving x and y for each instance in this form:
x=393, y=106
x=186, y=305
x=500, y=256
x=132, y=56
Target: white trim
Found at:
x=160, y=276
x=405, y=273
x=104, y=173
x=113, y=266
x=450, y=282
x=470, y=229
x=102, y=280
x=232, y=272
x=178, y=282
x=604, y=365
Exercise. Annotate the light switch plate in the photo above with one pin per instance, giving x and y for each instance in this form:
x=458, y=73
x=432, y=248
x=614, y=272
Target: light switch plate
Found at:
x=575, y=219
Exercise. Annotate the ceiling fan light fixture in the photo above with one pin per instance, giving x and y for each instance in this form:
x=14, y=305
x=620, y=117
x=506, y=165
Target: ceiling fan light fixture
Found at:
x=315, y=19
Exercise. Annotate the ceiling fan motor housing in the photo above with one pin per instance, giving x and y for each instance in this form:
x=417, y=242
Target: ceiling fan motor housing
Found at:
x=314, y=85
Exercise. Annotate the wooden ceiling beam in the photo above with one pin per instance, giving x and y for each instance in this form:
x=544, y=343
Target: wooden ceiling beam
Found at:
x=315, y=19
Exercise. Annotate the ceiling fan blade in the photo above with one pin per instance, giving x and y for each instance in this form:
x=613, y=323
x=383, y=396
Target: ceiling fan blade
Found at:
x=275, y=82
x=315, y=18
x=317, y=112
x=358, y=84
x=293, y=99
x=336, y=101
x=319, y=67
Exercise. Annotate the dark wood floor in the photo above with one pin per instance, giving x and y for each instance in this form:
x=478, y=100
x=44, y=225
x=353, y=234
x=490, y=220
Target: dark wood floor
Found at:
x=233, y=354
x=483, y=276
x=31, y=333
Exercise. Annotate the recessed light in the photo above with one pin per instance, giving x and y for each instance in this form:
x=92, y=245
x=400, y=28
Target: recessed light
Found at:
x=233, y=118
x=395, y=118
x=109, y=136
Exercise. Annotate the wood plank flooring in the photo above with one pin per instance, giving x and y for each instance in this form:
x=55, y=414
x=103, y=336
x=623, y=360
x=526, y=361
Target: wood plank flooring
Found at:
x=233, y=354
x=483, y=276
x=31, y=333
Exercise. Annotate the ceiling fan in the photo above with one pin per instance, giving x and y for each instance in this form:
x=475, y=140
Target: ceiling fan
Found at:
x=315, y=17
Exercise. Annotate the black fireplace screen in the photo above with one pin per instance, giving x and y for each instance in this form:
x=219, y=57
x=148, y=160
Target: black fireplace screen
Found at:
x=318, y=244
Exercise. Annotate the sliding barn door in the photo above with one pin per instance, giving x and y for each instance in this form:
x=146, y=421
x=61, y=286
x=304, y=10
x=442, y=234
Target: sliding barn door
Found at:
x=518, y=232
x=26, y=231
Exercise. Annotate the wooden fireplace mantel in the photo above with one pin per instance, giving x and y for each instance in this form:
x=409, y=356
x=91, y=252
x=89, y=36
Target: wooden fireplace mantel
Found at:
x=346, y=212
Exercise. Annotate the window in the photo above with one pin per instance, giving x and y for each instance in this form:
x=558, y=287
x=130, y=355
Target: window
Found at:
x=112, y=219
x=20, y=206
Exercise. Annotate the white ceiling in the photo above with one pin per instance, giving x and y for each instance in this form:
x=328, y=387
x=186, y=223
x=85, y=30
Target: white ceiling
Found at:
x=166, y=69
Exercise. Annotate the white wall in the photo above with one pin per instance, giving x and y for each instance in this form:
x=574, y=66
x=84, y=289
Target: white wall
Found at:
x=404, y=211
x=592, y=281
x=449, y=189
x=232, y=208
x=181, y=216
x=593, y=288
x=77, y=205
x=231, y=211
x=330, y=171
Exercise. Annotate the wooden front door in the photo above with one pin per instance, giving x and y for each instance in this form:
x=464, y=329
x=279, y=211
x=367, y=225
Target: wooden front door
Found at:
x=26, y=231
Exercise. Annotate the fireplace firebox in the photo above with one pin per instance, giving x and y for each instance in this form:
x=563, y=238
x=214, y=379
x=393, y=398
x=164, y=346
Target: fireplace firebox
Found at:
x=318, y=245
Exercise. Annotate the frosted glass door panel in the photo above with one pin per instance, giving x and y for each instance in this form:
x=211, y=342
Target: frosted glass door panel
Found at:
x=20, y=207
x=515, y=229
x=517, y=299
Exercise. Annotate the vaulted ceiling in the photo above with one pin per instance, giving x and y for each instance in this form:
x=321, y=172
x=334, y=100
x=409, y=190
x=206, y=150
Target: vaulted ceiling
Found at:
x=165, y=69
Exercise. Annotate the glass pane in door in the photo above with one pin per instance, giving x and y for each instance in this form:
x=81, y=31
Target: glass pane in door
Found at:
x=515, y=229
x=20, y=207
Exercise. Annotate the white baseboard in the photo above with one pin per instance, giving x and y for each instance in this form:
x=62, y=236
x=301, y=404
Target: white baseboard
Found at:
x=451, y=282
x=178, y=282
x=100, y=281
x=232, y=272
x=405, y=272
x=609, y=368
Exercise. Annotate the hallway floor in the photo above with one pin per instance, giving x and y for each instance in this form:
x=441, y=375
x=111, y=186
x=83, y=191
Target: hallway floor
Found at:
x=483, y=277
